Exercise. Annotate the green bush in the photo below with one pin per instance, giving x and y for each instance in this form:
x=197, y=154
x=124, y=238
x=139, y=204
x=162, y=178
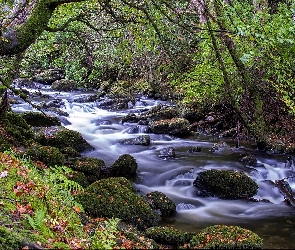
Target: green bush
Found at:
x=226, y=237
x=162, y=202
x=115, y=197
x=226, y=184
x=168, y=235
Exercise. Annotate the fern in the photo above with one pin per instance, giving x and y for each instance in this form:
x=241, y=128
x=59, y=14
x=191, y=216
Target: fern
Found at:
x=38, y=221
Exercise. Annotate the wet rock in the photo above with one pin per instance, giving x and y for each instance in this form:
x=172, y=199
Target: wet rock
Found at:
x=130, y=118
x=221, y=147
x=162, y=202
x=176, y=126
x=250, y=160
x=144, y=129
x=143, y=140
x=194, y=149
x=225, y=184
x=182, y=183
x=124, y=166
x=88, y=98
x=167, y=153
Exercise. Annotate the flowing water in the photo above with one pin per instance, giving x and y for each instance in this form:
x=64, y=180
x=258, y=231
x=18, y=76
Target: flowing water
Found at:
x=274, y=221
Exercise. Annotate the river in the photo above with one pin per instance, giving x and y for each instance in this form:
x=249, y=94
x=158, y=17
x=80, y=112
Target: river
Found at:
x=273, y=221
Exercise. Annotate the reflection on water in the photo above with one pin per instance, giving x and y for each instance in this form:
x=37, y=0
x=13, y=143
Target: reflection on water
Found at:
x=273, y=220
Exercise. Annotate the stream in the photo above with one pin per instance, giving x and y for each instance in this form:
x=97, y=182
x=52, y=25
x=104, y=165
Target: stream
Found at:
x=273, y=221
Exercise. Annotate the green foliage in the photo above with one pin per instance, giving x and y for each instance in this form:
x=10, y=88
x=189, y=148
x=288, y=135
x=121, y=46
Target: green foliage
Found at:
x=226, y=184
x=226, y=237
x=104, y=237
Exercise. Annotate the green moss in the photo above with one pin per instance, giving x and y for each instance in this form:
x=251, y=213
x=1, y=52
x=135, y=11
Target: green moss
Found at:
x=17, y=128
x=124, y=166
x=4, y=145
x=175, y=126
x=168, y=235
x=51, y=156
x=115, y=197
x=162, y=202
x=40, y=120
x=90, y=167
x=226, y=184
x=64, y=137
x=79, y=177
x=226, y=237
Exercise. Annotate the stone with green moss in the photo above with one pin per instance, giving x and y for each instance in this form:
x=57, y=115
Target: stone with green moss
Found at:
x=169, y=235
x=162, y=202
x=61, y=137
x=115, y=197
x=51, y=156
x=64, y=85
x=175, y=126
x=226, y=237
x=79, y=177
x=225, y=184
x=17, y=130
x=161, y=112
x=124, y=166
x=90, y=167
x=37, y=119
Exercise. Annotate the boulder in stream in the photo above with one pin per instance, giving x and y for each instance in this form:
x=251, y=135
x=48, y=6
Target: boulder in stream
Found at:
x=225, y=184
x=38, y=119
x=167, y=153
x=221, y=147
x=124, y=166
x=175, y=126
x=162, y=202
x=143, y=140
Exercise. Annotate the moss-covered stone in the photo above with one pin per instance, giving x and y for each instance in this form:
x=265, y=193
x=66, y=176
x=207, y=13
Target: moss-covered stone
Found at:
x=115, y=197
x=168, y=235
x=162, y=202
x=70, y=152
x=90, y=167
x=226, y=184
x=61, y=137
x=124, y=166
x=226, y=237
x=16, y=129
x=40, y=120
x=79, y=177
x=51, y=156
x=65, y=85
x=175, y=126
x=161, y=112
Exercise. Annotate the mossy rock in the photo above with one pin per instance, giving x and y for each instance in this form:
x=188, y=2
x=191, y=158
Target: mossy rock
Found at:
x=115, y=197
x=17, y=129
x=161, y=112
x=90, y=167
x=79, y=177
x=175, y=126
x=226, y=184
x=64, y=85
x=70, y=152
x=18, y=239
x=169, y=235
x=124, y=166
x=40, y=120
x=51, y=156
x=61, y=137
x=4, y=145
x=162, y=202
x=226, y=237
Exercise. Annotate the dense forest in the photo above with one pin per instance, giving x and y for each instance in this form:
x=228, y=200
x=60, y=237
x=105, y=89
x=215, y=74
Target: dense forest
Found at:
x=236, y=58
